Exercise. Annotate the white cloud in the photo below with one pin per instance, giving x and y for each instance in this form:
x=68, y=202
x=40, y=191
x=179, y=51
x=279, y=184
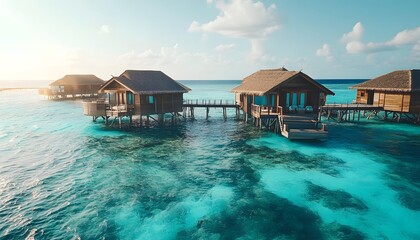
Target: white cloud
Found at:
x=241, y=18
x=105, y=29
x=406, y=37
x=355, y=45
x=325, y=51
x=371, y=47
x=179, y=64
x=247, y=19
x=224, y=47
x=354, y=35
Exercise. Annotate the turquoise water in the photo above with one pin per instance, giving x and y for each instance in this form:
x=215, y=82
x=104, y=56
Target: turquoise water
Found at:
x=64, y=177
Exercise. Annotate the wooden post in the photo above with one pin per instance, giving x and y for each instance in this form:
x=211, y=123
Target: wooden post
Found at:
x=319, y=115
x=358, y=115
x=207, y=113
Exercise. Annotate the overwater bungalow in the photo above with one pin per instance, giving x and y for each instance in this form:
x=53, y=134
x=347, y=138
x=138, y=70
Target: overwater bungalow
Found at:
x=397, y=92
x=73, y=86
x=286, y=101
x=138, y=93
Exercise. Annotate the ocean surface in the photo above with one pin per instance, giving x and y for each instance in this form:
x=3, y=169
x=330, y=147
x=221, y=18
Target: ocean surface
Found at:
x=64, y=177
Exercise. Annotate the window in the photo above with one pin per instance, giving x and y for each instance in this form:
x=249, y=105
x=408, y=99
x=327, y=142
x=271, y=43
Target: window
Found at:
x=150, y=99
x=130, y=98
x=362, y=94
x=294, y=99
x=287, y=99
x=260, y=100
x=111, y=98
x=302, y=100
x=272, y=100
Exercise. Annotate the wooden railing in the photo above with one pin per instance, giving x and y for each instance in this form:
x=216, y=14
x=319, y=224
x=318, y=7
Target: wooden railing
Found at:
x=280, y=110
x=259, y=110
x=209, y=102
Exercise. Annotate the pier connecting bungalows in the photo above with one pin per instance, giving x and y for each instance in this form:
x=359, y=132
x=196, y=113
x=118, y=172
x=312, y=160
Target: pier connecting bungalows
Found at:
x=73, y=86
x=397, y=92
x=138, y=93
x=286, y=101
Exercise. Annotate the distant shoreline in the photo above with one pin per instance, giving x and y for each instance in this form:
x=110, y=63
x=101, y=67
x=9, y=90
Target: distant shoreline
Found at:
x=18, y=88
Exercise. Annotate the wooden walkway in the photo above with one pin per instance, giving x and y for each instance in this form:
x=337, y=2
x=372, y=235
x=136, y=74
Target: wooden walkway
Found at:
x=349, y=112
x=189, y=105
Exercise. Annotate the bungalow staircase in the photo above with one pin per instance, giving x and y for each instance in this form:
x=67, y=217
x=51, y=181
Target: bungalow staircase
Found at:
x=301, y=127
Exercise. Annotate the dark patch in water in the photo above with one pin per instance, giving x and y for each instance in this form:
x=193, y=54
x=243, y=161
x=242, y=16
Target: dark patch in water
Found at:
x=334, y=199
x=296, y=161
x=337, y=231
x=264, y=217
x=408, y=196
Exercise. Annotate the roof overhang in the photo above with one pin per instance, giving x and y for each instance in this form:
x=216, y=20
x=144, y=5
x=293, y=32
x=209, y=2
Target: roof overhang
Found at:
x=385, y=89
x=102, y=89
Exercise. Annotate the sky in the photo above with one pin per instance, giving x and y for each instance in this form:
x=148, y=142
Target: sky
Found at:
x=207, y=39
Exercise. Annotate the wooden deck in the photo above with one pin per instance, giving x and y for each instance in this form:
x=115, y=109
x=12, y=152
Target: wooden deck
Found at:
x=294, y=126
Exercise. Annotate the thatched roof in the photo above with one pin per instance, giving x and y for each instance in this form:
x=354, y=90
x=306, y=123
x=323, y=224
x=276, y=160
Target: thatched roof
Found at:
x=397, y=81
x=77, y=80
x=264, y=81
x=147, y=82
